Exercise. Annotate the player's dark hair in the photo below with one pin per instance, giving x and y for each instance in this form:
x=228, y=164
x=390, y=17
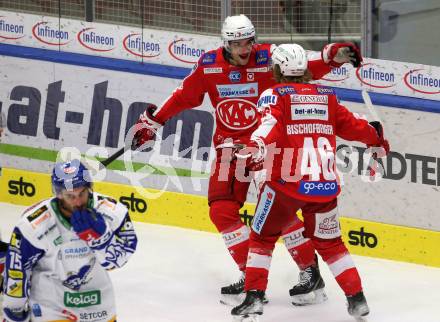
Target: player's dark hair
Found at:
x=280, y=78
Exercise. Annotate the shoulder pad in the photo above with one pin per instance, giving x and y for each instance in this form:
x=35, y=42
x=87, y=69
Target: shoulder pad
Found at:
x=285, y=90
x=324, y=90
x=208, y=58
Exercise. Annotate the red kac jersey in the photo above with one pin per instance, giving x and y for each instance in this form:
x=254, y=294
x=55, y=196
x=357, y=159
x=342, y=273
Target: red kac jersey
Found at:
x=233, y=91
x=303, y=120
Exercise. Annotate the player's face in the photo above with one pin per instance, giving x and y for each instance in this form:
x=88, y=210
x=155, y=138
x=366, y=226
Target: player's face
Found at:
x=241, y=51
x=74, y=199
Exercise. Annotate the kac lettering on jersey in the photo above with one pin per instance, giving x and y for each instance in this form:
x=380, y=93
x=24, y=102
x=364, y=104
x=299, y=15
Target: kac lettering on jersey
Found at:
x=238, y=90
x=310, y=128
x=236, y=114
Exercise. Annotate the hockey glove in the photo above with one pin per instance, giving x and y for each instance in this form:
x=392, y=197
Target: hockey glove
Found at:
x=382, y=142
x=145, y=128
x=16, y=315
x=88, y=224
x=337, y=54
x=254, y=153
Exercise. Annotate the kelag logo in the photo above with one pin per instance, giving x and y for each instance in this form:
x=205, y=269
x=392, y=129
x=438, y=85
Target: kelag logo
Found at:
x=362, y=238
x=135, y=45
x=375, y=76
x=420, y=81
x=182, y=51
x=49, y=35
x=133, y=203
x=89, y=39
x=10, y=30
x=337, y=74
x=21, y=188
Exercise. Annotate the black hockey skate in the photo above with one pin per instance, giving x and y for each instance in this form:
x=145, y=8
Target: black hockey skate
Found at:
x=251, y=307
x=234, y=294
x=357, y=305
x=310, y=289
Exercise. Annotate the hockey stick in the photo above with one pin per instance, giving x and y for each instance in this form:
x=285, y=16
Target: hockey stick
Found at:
x=367, y=100
x=113, y=157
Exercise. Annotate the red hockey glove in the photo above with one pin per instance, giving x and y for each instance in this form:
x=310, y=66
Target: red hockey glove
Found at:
x=383, y=143
x=145, y=128
x=254, y=153
x=337, y=54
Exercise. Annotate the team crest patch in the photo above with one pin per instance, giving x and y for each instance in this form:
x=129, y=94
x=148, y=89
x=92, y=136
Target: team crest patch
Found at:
x=285, y=90
x=262, y=57
x=208, y=58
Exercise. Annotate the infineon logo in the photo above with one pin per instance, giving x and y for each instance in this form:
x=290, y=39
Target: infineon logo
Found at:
x=420, y=81
x=45, y=33
x=10, y=30
x=92, y=40
x=337, y=74
x=375, y=76
x=135, y=45
x=182, y=50
x=82, y=299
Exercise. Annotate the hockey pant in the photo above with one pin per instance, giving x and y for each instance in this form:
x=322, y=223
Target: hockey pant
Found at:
x=226, y=195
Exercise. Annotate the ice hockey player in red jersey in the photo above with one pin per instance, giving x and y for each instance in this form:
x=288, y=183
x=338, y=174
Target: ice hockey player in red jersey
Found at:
x=302, y=121
x=233, y=76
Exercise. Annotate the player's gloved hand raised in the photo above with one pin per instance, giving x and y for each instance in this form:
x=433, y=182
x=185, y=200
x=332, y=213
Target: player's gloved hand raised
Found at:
x=337, y=54
x=382, y=142
x=16, y=315
x=254, y=153
x=88, y=224
x=145, y=128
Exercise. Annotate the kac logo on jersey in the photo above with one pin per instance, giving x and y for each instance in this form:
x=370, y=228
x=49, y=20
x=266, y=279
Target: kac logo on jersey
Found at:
x=237, y=114
x=235, y=76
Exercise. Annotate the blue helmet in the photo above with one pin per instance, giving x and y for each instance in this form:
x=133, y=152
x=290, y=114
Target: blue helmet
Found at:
x=70, y=175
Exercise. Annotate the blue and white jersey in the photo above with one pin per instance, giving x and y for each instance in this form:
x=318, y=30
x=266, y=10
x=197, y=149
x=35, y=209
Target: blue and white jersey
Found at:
x=59, y=276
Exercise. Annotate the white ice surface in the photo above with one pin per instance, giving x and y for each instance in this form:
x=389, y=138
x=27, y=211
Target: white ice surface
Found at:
x=176, y=275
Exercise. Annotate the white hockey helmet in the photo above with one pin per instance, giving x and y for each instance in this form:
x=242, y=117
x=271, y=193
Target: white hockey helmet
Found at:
x=291, y=58
x=237, y=28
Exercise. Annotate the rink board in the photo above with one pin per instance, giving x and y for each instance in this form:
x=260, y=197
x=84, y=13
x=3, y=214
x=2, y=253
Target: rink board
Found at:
x=366, y=238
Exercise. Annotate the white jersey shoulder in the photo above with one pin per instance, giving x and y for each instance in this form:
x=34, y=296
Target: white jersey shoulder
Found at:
x=113, y=211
